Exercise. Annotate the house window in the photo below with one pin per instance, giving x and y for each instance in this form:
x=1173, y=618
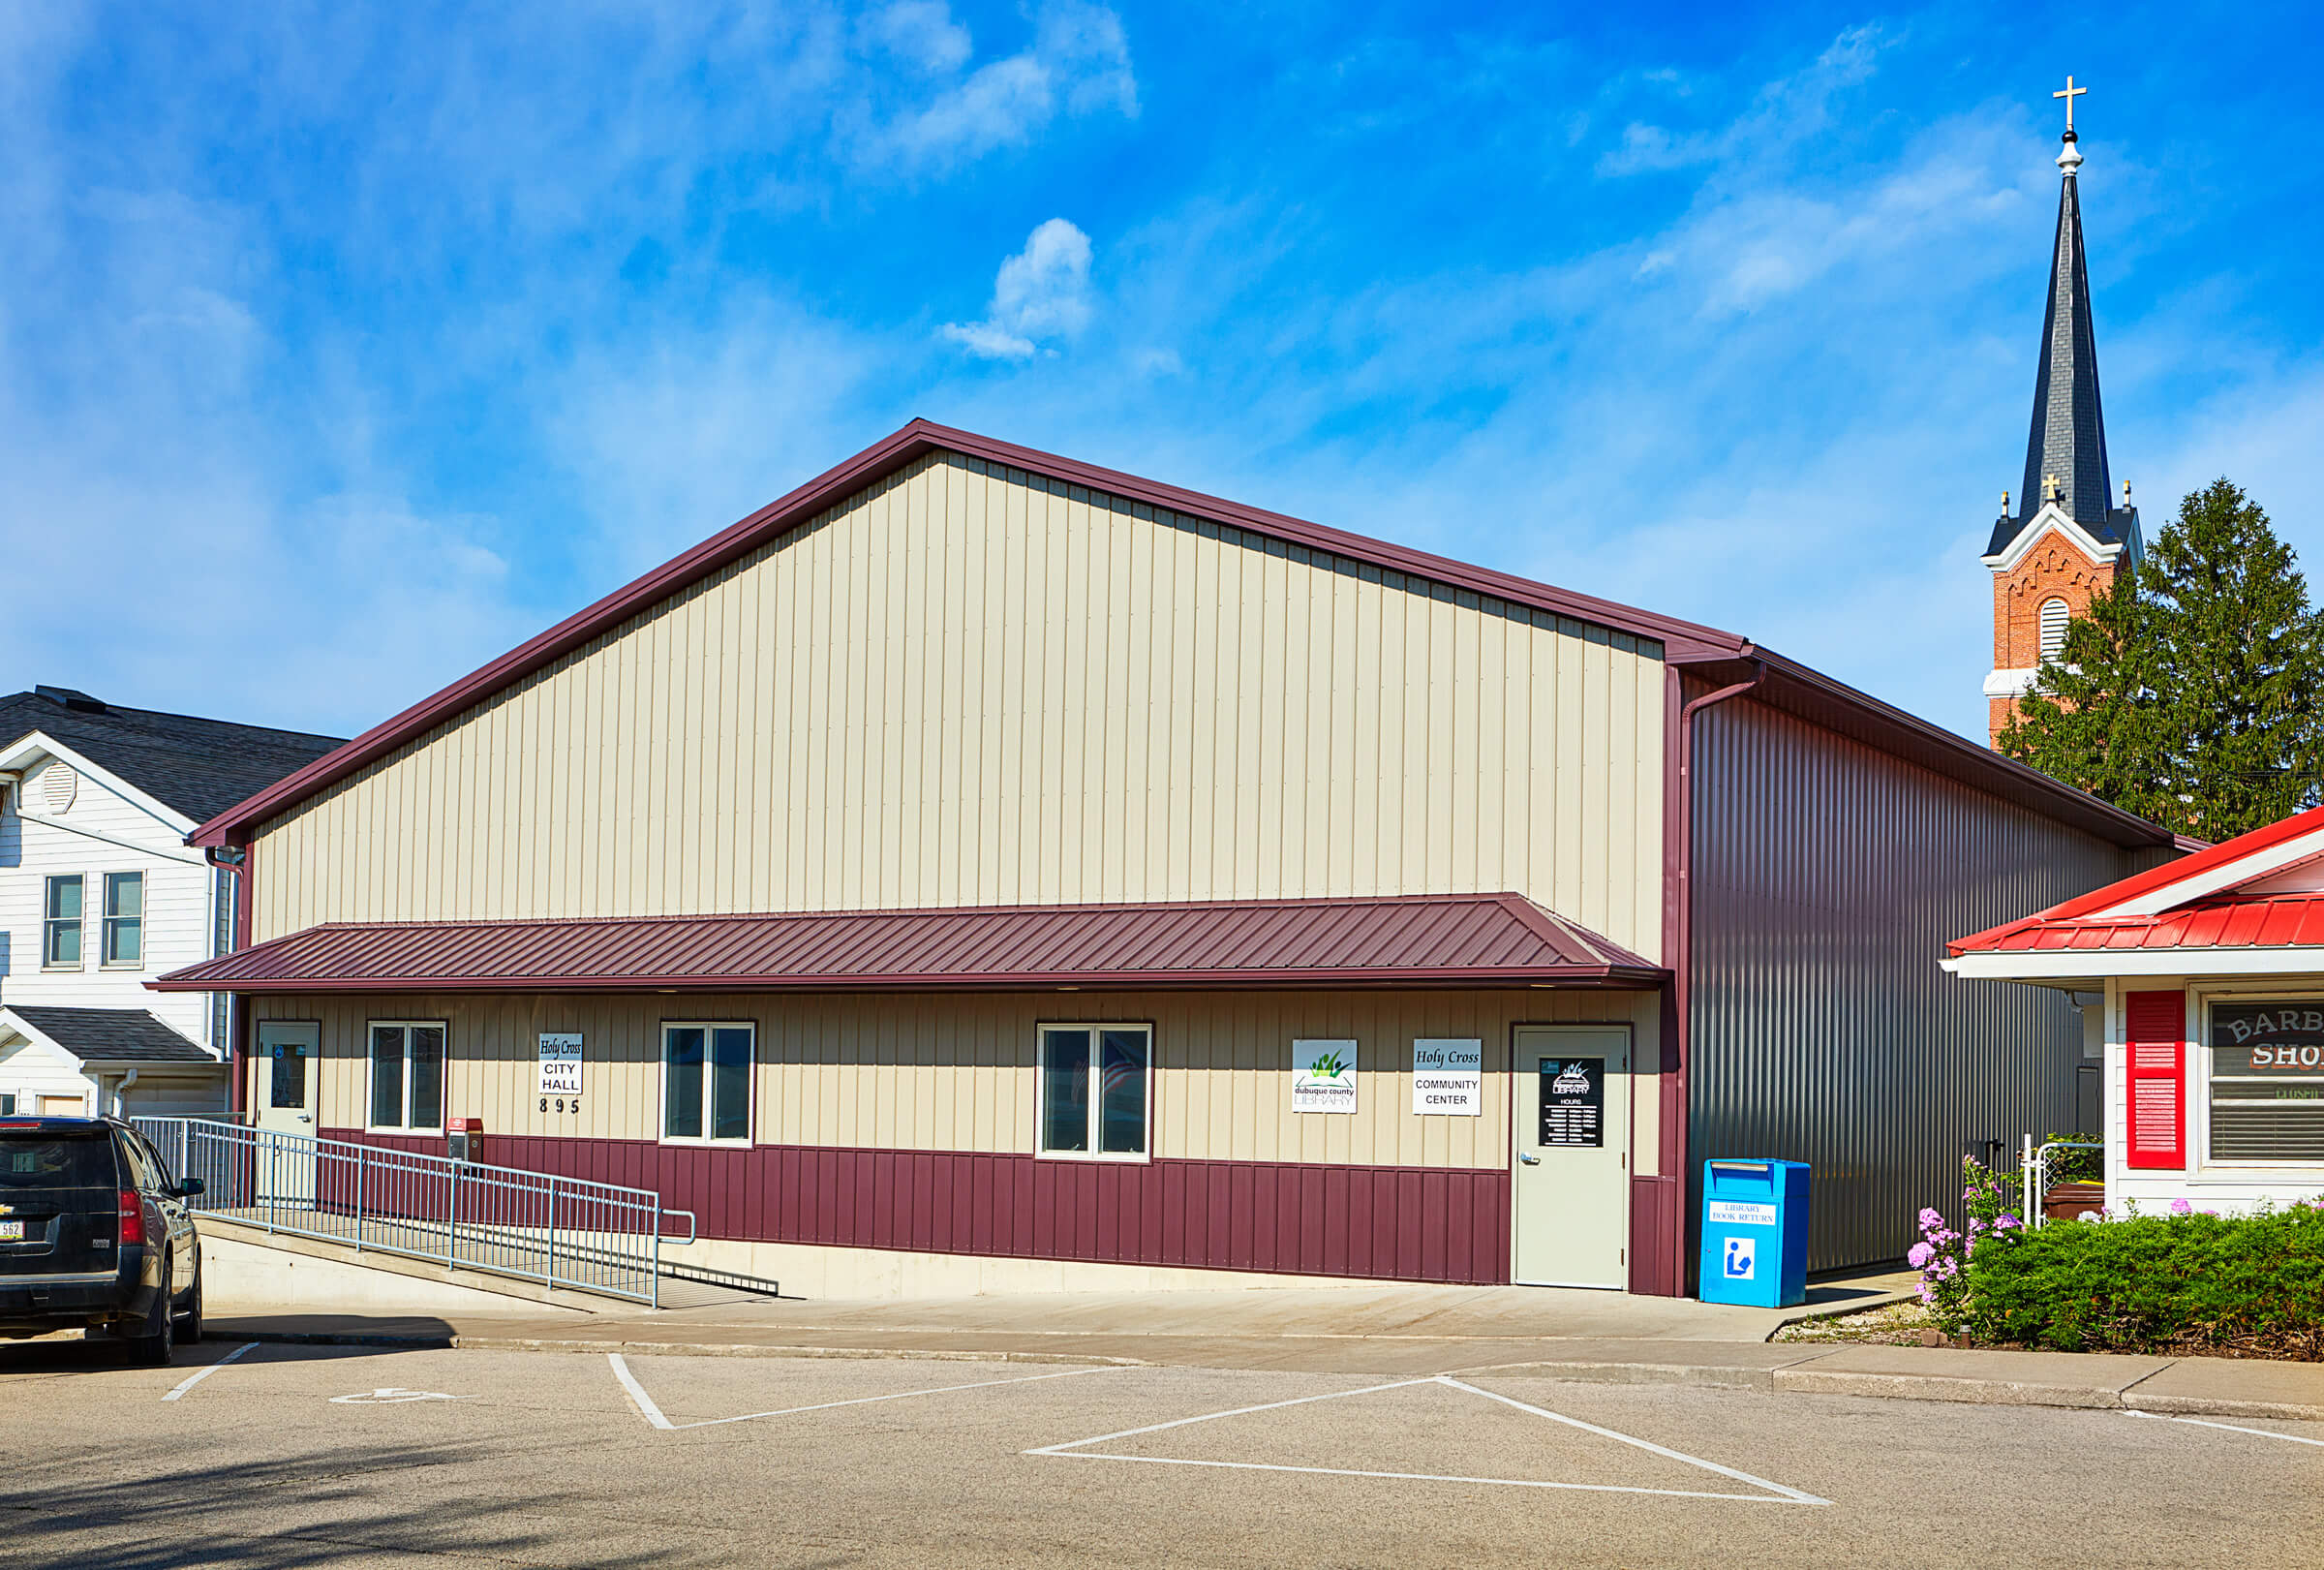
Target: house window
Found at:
x=706, y=1081
x=2054, y=617
x=2266, y=1083
x=8, y=1104
x=1097, y=1090
x=406, y=1074
x=124, y=918
x=60, y=927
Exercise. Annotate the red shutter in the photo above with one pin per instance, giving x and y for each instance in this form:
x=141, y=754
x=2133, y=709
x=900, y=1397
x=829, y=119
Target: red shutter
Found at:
x=2155, y=1060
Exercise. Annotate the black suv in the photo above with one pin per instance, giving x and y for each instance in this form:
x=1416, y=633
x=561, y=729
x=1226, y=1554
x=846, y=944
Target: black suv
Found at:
x=94, y=1234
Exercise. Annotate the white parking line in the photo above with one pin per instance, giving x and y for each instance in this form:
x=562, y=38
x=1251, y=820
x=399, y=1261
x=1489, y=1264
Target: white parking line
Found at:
x=200, y=1374
x=2231, y=1428
x=654, y=1414
x=1076, y=1450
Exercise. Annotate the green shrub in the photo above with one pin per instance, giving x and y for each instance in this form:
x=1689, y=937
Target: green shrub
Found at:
x=2184, y=1282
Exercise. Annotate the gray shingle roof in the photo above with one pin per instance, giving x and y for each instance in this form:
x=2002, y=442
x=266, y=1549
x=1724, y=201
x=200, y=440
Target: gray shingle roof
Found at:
x=117, y=1035
x=2068, y=435
x=200, y=767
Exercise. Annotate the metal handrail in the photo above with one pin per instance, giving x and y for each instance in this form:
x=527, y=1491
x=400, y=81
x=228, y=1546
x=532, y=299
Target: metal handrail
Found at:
x=2032, y=1167
x=537, y=1226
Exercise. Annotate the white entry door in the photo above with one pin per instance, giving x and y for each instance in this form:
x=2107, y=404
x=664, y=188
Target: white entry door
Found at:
x=1571, y=1194
x=290, y=1052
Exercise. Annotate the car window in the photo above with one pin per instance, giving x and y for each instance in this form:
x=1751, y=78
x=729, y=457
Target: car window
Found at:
x=72, y=1162
x=153, y=1158
x=134, y=1162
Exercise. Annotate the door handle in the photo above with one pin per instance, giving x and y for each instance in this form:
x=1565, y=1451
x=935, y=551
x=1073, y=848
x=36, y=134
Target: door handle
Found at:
x=1529, y=1160
x=306, y=1117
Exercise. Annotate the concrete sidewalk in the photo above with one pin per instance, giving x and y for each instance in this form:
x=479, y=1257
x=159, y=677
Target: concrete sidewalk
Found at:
x=1398, y=1330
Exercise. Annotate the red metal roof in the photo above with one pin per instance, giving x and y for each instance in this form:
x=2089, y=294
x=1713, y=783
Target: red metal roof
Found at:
x=2281, y=921
x=1437, y=939
x=2221, y=919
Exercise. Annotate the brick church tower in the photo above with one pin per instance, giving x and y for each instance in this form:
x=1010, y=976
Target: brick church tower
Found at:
x=2066, y=540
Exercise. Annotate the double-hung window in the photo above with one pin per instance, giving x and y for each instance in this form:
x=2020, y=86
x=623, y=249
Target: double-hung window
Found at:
x=406, y=1074
x=1097, y=1090
x=124, y=938
x=706, y=1081
x=60, y=923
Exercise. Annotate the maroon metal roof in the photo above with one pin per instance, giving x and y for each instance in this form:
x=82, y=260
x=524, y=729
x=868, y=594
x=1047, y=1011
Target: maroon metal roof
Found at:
x=1433, y=940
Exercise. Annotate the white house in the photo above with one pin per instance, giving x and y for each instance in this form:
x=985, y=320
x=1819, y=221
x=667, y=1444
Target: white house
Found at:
x=2205, y=982
x=98, y=893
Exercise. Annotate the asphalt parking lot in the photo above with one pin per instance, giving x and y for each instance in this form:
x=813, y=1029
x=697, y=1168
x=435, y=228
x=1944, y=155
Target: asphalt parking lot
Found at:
x=276, y=1455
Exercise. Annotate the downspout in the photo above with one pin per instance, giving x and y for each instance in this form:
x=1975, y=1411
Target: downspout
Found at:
x=121, y=1093
x=1679, y=947
x=235, y=859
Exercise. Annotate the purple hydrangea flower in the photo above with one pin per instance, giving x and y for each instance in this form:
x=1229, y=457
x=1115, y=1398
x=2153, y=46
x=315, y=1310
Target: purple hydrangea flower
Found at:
x=2182, y=1206
x=1918, y=1256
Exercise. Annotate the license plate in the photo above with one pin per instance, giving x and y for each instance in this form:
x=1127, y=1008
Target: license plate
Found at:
x=12, y=1231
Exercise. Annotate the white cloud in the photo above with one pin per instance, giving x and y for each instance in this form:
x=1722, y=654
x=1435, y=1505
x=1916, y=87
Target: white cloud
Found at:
x=1042, y=294
x=1080, y=59
x=921, y=33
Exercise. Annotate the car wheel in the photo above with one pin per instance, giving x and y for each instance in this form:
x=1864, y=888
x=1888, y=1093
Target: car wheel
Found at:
x=157, y=1344
x=188, y=1323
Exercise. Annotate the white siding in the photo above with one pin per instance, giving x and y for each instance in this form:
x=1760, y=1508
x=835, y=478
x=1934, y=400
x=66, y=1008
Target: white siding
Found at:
x=29, y=1072
x=103, y=831
x=2224, y=1188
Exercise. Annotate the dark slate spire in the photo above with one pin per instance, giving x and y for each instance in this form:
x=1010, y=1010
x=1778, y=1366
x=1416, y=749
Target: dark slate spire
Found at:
x=2066, y=450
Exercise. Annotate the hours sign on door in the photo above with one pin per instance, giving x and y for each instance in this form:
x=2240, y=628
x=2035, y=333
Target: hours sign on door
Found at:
x=1573, y=1101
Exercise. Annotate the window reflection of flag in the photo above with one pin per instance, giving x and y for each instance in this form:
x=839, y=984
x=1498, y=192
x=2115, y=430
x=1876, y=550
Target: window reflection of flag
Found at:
x=1122, y=1069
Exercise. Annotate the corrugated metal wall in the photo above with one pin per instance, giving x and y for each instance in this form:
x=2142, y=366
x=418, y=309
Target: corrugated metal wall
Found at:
x=956, y=1072
x=966, y=685
x=1828, y=878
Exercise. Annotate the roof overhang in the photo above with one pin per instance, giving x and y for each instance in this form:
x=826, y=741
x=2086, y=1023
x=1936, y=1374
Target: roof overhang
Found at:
x=24, y=1021
x=1810, y=694
x=2092, y=966
x=1468, y=940
x=19, y=755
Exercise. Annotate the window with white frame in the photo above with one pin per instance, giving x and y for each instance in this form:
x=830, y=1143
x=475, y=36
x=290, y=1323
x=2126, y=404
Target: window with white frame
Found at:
x=8, y=1104
x=2055, y=614
x=406, y=1074
x=2266, y=1083
x=123, y=936
x=706, y=1080
x=1097, y=1090
x=60, y=923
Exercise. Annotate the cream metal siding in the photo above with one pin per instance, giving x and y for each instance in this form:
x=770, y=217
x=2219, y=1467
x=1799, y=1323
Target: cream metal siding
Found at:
x=956, y=1072
x=966, y=687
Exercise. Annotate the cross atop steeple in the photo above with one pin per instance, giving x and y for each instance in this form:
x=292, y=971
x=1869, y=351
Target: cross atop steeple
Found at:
x=2070, y=93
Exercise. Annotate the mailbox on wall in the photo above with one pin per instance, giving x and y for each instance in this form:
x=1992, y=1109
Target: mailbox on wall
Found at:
x=464, y=1139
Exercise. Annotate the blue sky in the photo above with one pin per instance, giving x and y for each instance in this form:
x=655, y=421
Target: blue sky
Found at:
x=343, y=347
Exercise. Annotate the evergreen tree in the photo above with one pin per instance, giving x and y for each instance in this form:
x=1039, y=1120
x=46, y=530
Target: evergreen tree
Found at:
x=2192, y=692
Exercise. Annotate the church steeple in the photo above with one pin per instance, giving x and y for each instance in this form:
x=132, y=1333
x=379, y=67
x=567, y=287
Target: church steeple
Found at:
x=2066, y=451
x=2067, y=538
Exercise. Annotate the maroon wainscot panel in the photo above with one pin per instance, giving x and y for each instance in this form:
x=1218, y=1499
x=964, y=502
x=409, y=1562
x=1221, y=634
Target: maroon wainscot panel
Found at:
x=1410, y=1223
